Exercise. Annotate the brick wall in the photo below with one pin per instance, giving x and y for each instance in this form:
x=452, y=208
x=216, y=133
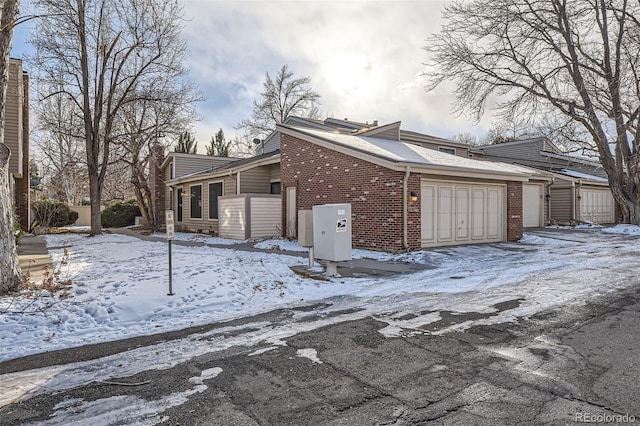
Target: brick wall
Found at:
x=514, y=211
x=324, y=176
x=156, y=183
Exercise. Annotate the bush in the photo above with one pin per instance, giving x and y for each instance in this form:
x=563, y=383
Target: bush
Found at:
x=17, y=230
x=120, y=214
x=50, y=214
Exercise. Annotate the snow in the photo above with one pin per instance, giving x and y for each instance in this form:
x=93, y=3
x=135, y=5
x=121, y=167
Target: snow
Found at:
x=309, y=353
x=581, y=175
x=120, y=285
x=406, y=152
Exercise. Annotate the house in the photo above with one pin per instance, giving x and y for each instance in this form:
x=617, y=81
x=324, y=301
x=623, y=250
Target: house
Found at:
x=390, y=131
x=16, y=137
x=578, y=191
x=230, y=197
x=403, y=195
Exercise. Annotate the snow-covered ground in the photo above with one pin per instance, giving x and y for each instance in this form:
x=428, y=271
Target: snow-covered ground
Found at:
x=120, y=285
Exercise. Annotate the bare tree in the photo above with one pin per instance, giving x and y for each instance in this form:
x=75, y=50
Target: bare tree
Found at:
x=579, y=58
x=280, y=98
x=9, y=265
x=153, y=122
x=104, y=50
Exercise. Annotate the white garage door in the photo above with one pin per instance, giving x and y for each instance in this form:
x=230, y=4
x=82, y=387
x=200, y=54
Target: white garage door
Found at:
x=456, y=213
x=597, y=206
x=532, y=214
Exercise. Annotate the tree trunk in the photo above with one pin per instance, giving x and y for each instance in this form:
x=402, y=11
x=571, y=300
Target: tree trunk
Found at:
x=9, y=264
x=95, y=195
x=10, y=274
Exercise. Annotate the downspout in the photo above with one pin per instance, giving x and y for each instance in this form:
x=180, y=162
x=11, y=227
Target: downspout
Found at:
x=548, y=198
x=573, y=201
x=405, y=214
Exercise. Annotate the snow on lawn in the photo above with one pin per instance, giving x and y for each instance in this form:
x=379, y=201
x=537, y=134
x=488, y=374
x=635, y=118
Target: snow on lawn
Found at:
x=120, y=286
x=623, y=229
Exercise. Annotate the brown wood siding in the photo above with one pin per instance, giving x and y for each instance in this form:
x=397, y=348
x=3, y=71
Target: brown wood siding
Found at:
x=13, y=117
x=525, y=151
x=275, y=172
x=561, y=204
x=256, y=181
x=187, y=164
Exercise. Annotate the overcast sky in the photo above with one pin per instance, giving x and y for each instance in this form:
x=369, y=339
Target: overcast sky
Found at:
x=364, y=58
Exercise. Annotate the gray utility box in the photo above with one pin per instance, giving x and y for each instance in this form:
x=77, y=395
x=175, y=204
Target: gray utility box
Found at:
x=332, y=232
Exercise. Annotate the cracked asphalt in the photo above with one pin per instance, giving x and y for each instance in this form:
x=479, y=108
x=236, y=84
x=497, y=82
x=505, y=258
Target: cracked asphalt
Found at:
x=558, y=367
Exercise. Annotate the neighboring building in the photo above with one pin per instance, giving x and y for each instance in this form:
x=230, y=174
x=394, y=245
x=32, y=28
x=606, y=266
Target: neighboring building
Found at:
x=16, y=137
x=403, y=196
x=237, y=198
x=579, y=190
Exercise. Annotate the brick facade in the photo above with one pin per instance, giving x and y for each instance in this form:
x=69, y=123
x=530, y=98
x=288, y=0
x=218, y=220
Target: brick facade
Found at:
x=323, y=176
x=156, y=183
x=514, y=211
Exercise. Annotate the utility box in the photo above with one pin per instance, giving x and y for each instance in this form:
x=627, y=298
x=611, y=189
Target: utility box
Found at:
x=332, y=232
x=305, y=228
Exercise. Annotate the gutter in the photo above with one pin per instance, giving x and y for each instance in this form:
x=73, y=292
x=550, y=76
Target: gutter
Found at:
x=405, y=214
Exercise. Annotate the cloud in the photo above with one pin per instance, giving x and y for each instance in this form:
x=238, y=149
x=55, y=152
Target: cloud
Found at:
x=365, y=58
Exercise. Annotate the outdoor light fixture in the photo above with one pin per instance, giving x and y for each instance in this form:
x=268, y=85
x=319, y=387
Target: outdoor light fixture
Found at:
x=413, y=196
x=548, y=197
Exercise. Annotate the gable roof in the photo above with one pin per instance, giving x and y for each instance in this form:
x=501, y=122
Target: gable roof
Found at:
x=395, y=153
x=236, y=166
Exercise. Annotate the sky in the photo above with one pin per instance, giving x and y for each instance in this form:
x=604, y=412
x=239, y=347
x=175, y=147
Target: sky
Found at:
x=365, y=58
x=119, y=285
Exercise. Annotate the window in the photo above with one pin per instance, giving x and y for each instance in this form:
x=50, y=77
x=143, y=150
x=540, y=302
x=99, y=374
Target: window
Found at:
x=180, y=193
x=275, y=188
x=172, y=173
x=447, y=150
x=196, y=201
x=215, y=191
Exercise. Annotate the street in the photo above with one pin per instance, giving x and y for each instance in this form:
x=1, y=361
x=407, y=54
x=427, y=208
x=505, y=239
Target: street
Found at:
x=557, y=367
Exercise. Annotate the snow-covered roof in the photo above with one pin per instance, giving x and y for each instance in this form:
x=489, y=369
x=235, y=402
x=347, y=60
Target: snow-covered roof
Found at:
x=401, y=152
x=580, y=175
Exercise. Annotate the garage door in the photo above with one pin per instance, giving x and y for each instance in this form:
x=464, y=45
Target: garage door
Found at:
x=455, y=213
x=532, y=214
x=597, y=206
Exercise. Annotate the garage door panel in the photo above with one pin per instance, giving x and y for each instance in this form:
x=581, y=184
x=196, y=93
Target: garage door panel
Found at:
x=478, y=220
x=597, y=205
x=428, y=206
x=445, y=213
x=494, y=213
x=462, y=214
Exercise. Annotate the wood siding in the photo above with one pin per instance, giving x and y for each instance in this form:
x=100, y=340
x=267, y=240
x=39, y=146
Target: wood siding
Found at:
x=256, y=181
x=561, y=204
x=13, y=117
x=270, y=145
x=187, y=164
x=233, y=217
x=265, y=216
x=275, y=172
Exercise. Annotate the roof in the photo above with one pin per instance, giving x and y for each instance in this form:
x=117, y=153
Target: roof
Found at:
x=409, y=154
x=172, y=154
x=233, y=167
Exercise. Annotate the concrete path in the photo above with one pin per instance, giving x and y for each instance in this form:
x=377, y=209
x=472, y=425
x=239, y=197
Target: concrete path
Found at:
x=34, y=257
x=351, y=268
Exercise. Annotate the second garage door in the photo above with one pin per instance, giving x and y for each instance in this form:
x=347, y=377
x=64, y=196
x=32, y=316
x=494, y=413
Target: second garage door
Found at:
x=597, y=206
x=457, y=213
